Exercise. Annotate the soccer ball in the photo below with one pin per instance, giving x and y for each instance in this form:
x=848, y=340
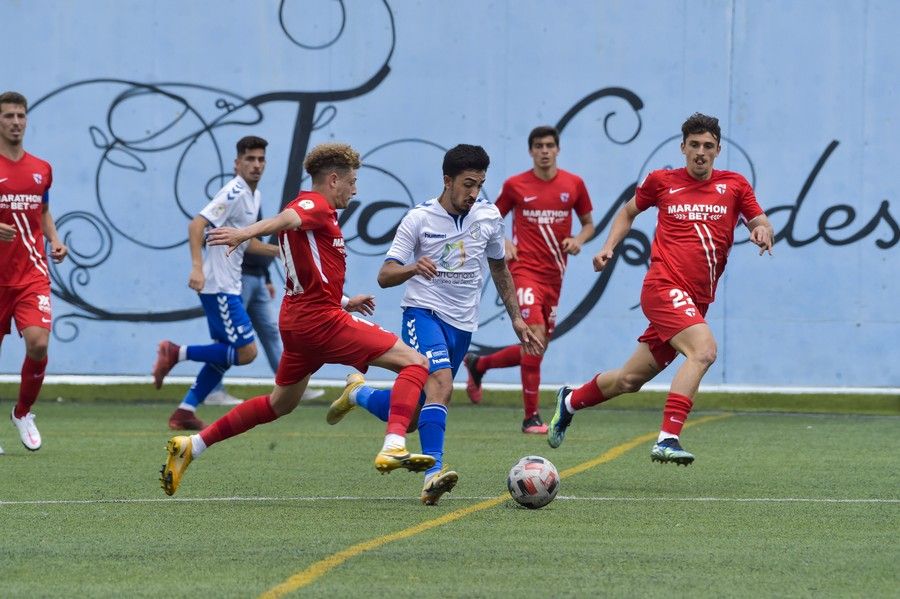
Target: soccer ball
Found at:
x=533, y=482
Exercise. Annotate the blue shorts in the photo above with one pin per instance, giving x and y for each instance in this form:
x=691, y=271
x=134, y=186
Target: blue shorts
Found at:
x=227, y=319
x=444, y=345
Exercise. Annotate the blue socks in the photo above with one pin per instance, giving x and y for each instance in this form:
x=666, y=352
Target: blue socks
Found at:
x=214, y=353
x=376, y=401
x=210, y=376
x=432, y=425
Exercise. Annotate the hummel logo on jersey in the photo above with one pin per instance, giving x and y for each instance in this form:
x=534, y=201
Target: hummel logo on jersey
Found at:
x=427, y=235
x=529, y=198
x=672, y=190
x=720, y=187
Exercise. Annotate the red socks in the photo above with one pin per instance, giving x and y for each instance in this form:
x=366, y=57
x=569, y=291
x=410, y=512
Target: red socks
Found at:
x=239, y=419
x=531, y=382
x=404, y=397
x=587, y=395
x=506, y=357
x=32, y=379
x=675, y=413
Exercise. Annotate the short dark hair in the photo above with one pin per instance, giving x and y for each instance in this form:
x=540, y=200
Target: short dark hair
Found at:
x=328, y=157
x=465, y=157
x=699, y=123
x=543, y=131
x=250, y=142
x=13, y=98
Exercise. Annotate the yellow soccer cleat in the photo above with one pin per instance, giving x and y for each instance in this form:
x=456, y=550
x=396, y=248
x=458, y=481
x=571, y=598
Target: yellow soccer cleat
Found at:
x=342, y=404
x=398, y=457
x=179, y=450
x=438, y=484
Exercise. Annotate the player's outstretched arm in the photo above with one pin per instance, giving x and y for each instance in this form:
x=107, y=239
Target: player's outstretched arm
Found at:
x=58, y=249
x=393, y=273
x=621, y=225
x=231, y=237
x=762, y=233
x=506, y=289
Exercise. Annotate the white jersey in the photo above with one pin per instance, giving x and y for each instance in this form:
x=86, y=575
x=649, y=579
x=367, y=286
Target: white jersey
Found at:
x=460, y=246
x=234, y=206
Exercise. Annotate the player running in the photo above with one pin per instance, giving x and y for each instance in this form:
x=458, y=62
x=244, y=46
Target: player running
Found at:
x=441, y=250
x=25, y=221
x=698, y=209
x=542, y=201
x=216, y=277
x=315, y=327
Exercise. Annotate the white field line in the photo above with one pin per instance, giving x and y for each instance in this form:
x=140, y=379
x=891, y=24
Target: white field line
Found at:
x=90, y=379
x=847, y=500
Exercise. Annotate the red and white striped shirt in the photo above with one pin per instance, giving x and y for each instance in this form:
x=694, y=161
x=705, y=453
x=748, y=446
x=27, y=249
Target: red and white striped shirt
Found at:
x=24, y=186
x=695, y=226
x=542, y=218
x=315, y=262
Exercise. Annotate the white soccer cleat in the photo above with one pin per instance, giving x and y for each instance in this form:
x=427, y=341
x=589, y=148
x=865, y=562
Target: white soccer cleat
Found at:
x=28, y=432
x=221, y=398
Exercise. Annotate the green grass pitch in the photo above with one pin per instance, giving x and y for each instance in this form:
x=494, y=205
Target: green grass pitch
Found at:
x=792, y=505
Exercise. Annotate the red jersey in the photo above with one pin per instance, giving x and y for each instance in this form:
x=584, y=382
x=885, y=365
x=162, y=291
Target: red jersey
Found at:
x=315, y=262
x=24, y=189
x=695, y=226
x=542, y=218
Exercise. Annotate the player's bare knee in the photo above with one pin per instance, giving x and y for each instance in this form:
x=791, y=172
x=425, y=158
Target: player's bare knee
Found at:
x=630, y=383
x=37, y=350
x=706, y=356
x=247, y=354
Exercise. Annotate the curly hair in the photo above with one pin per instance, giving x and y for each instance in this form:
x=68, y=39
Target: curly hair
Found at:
x=699, y=123
x=328, y=157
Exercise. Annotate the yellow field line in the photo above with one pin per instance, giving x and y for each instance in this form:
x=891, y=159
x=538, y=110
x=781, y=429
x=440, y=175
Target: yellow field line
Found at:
x=312, y=573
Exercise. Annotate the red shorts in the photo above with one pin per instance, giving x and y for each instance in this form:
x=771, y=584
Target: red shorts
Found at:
x=29, y=305
x=670, y=311
x=538, y=301
x=334, y=337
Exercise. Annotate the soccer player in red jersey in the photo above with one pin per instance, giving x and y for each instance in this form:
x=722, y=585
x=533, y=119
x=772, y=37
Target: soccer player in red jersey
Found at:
x=25, y=221
x=315, y=325
x=698, y=210
x=542, y=201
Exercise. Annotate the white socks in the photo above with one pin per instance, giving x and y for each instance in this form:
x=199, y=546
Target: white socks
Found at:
x=392, y=441
x=197, y=445
x=665, y=435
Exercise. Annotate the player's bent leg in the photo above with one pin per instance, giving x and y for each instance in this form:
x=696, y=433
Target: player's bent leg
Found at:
x=343, y=404
x=698, y=345
x=284, y=398
x=247, y=353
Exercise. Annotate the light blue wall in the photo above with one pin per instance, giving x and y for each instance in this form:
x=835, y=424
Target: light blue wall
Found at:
x=138, y=104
